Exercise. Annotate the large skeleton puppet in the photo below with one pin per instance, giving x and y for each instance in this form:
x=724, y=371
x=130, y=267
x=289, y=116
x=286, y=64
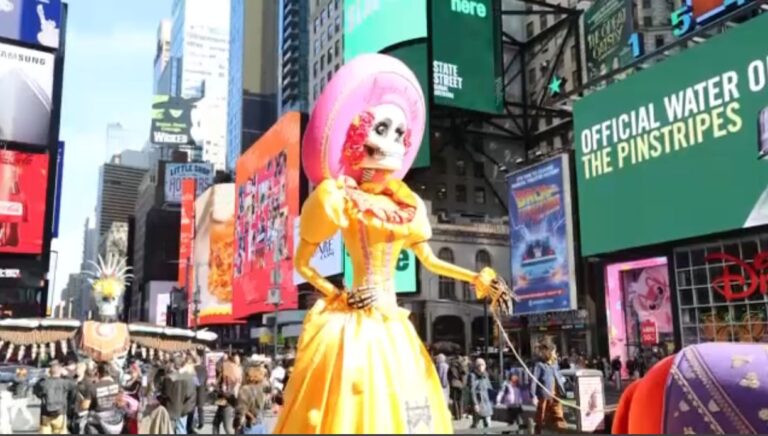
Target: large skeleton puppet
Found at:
x=103, y=340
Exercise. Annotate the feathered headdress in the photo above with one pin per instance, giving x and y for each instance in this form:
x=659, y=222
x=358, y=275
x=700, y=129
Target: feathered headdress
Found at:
x=110, y=278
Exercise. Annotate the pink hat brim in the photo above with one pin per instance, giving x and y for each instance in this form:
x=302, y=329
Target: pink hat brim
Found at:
x=367, y=81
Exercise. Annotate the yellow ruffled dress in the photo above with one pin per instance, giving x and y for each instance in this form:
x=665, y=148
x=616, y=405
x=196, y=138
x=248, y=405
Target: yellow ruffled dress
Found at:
x=362, y=371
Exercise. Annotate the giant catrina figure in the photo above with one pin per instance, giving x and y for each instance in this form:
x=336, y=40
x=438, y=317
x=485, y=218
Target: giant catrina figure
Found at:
x=360, y=366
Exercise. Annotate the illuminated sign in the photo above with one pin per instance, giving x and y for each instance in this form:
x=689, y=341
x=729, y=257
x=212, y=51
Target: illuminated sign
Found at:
x=739, y=286
x=695, y=13
x=10, y=273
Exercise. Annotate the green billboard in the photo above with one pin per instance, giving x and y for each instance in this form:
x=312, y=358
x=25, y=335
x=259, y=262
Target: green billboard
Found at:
x=673, y=152
x=405, y=272
x=467, y=70
x=395, y=27
x=370, y=26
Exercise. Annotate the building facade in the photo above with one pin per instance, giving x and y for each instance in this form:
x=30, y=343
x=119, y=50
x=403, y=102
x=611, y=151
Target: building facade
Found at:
x=326, y=43
x=200, y=40
x=162, y=55
x=294, y=53
x=118, y=190
x=253, y=74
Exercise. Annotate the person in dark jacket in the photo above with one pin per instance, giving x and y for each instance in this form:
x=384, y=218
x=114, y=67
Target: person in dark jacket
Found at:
x=480, y=398
x=179, y=394
x=546, y=387
x=53, y=392
x=252, y=401
x=457, y=377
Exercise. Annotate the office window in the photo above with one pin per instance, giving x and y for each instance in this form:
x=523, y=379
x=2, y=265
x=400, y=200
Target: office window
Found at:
x=322, y=83
x=461, y=167
x=528, y=29
x=326, y=15
x=447, y=286
x=337, y=48
x=322, y=62
x=317, y=46
x=542, y=22
x=647, y=21
x=329, y=75
x=531, y=75
x=479, y=169
x=329, y=33
x=336, y=68
x=646, y=4
x=329, y=55
x=480, y=195
x=338, y=24
x=442, y=191
x=439, y=164
x=461, y=193
x=332, y=5
x=314, y=69
x=659, y=41
x=317, y=25
x=574, y=54
x=483, y=260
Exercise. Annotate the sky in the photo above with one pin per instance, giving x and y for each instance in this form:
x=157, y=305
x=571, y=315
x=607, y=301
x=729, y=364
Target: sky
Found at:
x=108, y=74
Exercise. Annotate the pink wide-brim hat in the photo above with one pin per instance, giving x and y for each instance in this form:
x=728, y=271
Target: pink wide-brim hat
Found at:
x=365, y=82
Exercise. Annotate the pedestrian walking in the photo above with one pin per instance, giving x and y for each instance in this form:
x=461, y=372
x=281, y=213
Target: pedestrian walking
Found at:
x=53, y=392
x=442, y=372
x=511, y=397
x=457, y=376
x=20, y=402
x=252, y=401
x=550, y=387
x=480, y=395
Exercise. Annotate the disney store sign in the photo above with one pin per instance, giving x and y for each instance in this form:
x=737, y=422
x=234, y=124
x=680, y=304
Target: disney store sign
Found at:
x=740, y=278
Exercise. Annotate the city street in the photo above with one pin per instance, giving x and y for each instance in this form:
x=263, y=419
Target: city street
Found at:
x=21, y=427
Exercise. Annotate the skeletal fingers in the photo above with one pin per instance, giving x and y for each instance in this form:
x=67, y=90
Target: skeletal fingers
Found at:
x=362, y=298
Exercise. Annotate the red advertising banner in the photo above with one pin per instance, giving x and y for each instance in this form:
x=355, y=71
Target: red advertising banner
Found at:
x=186, y=234
x=649, y=334
x=23, y=190
x=267, y=203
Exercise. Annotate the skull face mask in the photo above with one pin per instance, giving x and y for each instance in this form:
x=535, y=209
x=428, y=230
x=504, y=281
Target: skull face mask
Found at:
x=377, y=139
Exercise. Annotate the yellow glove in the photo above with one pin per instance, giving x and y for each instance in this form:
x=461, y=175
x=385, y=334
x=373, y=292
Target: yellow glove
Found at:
x=489, y=286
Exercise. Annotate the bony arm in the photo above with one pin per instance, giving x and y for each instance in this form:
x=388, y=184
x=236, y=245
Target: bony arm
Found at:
x=488, y=286
x=482, y=280
x=301, y=262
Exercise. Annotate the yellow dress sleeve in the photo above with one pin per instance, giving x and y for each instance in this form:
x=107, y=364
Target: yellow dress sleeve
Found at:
x=321, y=217
x=323, y=212
x=420, y=228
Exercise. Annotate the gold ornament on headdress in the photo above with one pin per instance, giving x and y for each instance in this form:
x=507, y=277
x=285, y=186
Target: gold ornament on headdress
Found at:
x=110, y=278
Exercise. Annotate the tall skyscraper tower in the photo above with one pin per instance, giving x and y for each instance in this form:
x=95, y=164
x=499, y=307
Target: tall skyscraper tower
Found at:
x=200, y=40
x=294, y=53
x=253, y=74
x=162, y=56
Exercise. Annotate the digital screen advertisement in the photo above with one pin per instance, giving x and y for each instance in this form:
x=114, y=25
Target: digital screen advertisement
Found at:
x=187, y=229
x=672, y=151
x=541, y=231
x=328, y=258
x=213, y=256
x=175, y=173
x=405, y=272
x=32, y=21
x=174, y=120
x=26, y=84
x=636, y=292
x=370, y=26
x=607, y=28
x=467, y=69
x=373, y=26
x=22, y=201
x=267, y=205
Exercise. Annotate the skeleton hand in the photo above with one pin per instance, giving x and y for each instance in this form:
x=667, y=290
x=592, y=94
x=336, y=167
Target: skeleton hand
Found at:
x=493, y=288
x=362, y=297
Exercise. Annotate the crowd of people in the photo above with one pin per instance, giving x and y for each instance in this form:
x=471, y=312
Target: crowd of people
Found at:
x=169, y=395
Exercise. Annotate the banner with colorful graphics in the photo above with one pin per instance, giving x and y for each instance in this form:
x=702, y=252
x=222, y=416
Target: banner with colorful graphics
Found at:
x=267, y=204
x=541, y=235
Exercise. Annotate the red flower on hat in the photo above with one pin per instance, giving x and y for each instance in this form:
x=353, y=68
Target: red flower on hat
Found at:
x=354, y=145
